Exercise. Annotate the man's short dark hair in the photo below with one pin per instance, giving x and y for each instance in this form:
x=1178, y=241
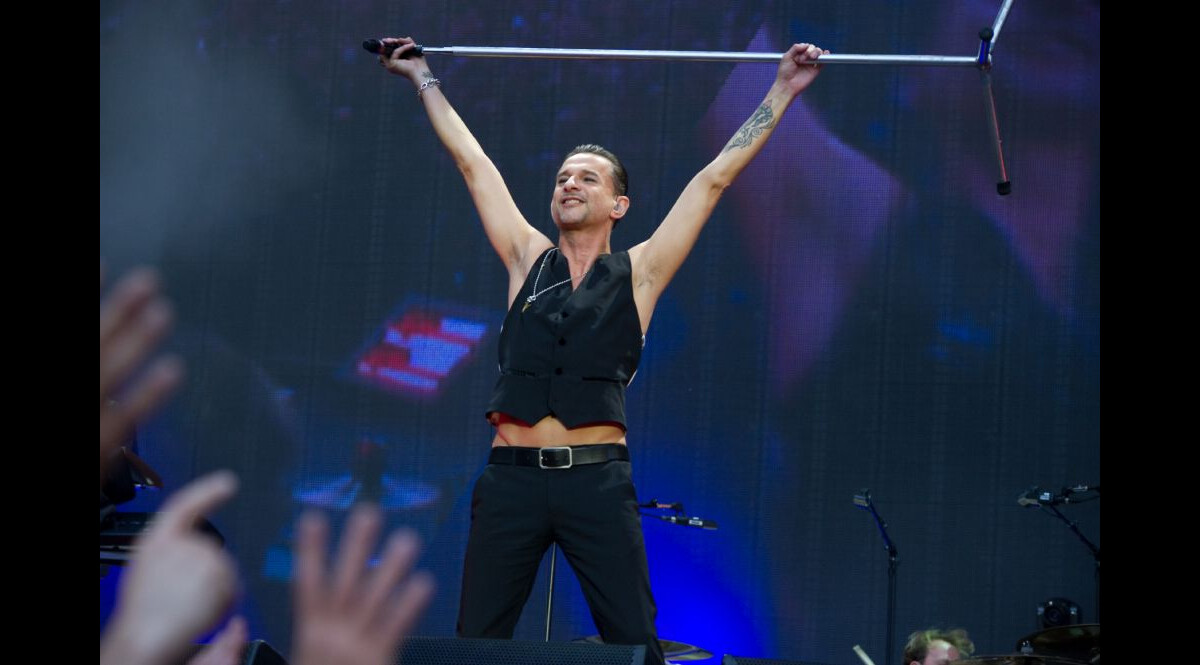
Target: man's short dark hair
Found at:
x=918, y=643
x=619, y=176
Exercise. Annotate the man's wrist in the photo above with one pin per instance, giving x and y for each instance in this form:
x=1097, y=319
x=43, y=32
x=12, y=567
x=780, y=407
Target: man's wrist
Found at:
x=422, y=76
x=782, y=90
x=427, y=83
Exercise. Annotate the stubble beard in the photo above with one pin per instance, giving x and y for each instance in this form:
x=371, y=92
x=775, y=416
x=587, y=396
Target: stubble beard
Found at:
x=573, y=216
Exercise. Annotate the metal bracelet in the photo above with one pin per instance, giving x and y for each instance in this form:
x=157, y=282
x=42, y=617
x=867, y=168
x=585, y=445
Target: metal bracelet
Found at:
x=429, y=83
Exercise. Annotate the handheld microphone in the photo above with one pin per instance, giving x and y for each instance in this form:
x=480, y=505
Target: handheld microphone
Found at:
x=379, y=48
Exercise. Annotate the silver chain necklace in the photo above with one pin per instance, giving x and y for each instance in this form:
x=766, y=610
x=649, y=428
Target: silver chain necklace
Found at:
x=529, y=300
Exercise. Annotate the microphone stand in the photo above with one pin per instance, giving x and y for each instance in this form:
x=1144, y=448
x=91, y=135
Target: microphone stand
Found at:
x=679, y=518
x=863, y=500
x=652, y=504
x=1050, y=507
x=550, y=589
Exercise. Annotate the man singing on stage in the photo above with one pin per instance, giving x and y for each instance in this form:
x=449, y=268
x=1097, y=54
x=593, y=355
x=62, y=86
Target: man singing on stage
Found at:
x=578, y=314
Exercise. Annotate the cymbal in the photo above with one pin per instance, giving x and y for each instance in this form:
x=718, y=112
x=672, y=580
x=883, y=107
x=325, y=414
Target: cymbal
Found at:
x=679, y=651
x=1079, y=641
x=391, y=493
x=671, y=650
x=1020, y=659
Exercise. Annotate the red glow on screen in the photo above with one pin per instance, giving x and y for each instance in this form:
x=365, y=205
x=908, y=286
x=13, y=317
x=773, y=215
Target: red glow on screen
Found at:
x=418, y=350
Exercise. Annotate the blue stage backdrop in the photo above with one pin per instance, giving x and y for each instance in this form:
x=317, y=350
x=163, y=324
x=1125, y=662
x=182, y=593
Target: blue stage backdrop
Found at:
x=863, y=311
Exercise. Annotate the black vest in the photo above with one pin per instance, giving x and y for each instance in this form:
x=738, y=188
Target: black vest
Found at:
x=570, y=354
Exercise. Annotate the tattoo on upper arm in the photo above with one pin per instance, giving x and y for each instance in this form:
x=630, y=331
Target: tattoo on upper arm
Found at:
x=762, y=120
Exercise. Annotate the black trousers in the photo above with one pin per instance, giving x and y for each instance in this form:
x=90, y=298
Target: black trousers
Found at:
x=591, y=512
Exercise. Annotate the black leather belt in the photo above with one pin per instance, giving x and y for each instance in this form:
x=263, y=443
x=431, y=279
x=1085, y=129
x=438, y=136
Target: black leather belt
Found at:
x=561, y=457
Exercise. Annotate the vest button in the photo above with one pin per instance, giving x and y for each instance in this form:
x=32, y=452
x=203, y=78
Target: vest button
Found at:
x=558, y=370
x=562, y=341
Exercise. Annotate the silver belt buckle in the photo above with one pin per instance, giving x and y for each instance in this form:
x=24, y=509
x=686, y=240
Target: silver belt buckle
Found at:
x=542, y=458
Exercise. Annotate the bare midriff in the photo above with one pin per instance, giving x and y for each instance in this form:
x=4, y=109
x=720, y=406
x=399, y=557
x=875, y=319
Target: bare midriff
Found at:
x=550, y=431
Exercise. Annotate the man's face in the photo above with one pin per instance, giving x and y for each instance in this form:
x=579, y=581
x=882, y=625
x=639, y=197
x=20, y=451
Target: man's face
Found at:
x=583, y=191
x=940, y=652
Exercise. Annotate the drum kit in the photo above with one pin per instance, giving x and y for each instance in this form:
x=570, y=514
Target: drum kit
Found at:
x=1077, y=644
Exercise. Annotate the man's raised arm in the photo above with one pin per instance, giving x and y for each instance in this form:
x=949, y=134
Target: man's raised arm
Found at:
x=656, y=260
x=513, y=238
